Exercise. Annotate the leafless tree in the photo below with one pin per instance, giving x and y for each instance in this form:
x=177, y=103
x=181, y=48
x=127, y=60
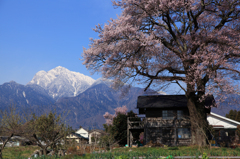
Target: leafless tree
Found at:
x=11, y=124
x=47, y=130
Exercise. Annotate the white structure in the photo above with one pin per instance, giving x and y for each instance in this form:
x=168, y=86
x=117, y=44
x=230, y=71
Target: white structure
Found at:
x=77, y=137
x=82, y=132
x=95, y=134
x=218, y=121
x=80, y=135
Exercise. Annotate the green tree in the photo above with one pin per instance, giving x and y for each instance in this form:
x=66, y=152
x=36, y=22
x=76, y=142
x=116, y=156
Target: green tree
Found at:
x=234, y=115
x=238, y=116
x=119, y=127
x=230, y=114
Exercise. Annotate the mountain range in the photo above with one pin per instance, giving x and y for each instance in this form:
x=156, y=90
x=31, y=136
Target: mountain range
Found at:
x=82, y=98
x=21, y=96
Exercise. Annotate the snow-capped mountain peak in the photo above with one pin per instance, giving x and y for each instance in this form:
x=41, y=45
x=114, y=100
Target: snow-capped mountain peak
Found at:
x=61, y=82
x=58, y=70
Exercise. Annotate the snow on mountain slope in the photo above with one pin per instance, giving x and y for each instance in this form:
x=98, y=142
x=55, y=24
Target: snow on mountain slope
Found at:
x=21, y=97
x=60, y=82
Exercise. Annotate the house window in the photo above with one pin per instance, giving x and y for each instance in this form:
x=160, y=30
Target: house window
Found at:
x=184, y=133
x=167, y=114
x=179, y=114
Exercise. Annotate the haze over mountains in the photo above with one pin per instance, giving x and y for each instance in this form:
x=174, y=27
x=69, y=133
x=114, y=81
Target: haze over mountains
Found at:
x=83, y=98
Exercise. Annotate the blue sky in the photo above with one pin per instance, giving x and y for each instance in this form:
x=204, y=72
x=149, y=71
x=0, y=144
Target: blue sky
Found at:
x=41, y=35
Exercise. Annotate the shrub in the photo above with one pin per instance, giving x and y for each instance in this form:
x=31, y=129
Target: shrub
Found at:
x=173, y=148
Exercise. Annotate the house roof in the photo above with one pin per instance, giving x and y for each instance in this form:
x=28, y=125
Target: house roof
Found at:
x=78, y=135
x=19, y=138
x=222, y=120
x=218, y=126
x=167, y=101
x=96, y=130
x=82, y=129
x=161, y=101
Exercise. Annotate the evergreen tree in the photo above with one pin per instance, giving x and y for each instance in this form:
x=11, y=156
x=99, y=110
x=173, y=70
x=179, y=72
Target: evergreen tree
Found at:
x=120, y=127
x=116, y=124
x=238, y=116
x=234, y=115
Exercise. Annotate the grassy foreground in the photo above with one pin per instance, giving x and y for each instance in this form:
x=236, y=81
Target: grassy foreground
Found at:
x=156, y=152
x=23, y=152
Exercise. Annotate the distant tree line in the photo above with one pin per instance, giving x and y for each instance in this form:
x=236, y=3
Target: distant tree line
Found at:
x=234, y=115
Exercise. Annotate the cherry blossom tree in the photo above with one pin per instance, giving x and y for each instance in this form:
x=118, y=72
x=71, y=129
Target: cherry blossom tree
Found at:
x=109, y=117
x=193, y=43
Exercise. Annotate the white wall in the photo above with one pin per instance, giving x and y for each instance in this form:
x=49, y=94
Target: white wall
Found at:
x=71, y=136
x=93, y=134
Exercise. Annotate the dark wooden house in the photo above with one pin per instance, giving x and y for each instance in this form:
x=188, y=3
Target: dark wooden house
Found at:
x=166, y=120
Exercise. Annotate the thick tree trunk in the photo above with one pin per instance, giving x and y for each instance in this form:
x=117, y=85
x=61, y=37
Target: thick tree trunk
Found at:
x=198, y=119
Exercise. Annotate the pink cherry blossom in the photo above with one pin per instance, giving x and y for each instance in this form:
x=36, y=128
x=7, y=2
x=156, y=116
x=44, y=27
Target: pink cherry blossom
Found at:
x=119, y=110
x=193, y=43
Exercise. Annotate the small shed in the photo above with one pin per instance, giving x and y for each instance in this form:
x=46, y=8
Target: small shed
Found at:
x=94, y=135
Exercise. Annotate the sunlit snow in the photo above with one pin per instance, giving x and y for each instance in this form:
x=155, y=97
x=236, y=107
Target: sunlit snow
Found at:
x=24, y=94
x=61, y=82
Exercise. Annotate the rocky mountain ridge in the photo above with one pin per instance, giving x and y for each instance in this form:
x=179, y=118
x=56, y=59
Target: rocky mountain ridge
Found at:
x=60, y=82
x=12, y=93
